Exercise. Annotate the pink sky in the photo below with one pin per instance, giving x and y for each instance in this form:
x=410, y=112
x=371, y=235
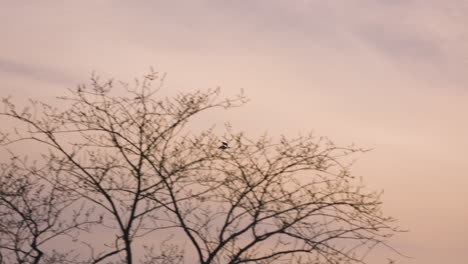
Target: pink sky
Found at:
x=384, y=74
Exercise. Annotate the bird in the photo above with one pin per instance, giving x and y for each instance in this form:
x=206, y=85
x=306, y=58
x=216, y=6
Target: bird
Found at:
x=224, y=145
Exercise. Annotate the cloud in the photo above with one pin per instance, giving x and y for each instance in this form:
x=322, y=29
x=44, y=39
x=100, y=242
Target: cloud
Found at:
x=35, y=72
x=400, y=43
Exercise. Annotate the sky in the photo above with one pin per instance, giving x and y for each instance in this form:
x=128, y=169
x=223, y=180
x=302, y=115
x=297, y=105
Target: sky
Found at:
x=384, y=74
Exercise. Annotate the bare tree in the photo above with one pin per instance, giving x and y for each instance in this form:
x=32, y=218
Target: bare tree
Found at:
x=134, y=157
x=32, y=213
x=286, y=202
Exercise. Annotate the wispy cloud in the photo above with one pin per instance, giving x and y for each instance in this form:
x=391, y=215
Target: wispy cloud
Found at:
x=400, y=43
x=35, y=72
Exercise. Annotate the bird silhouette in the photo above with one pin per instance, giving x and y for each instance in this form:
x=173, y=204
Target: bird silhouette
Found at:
x=224, y=145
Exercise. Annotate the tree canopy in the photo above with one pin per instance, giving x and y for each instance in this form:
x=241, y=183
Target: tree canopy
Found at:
x=129, y=163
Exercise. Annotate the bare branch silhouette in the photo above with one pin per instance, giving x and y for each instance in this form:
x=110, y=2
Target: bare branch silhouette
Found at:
x=132, y=157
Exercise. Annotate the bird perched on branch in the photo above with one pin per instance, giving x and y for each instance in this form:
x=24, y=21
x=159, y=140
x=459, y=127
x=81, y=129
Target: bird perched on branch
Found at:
x=224, y=145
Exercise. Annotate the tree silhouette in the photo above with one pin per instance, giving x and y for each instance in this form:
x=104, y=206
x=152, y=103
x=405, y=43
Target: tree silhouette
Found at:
x=132, y=159
x=32, y=213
